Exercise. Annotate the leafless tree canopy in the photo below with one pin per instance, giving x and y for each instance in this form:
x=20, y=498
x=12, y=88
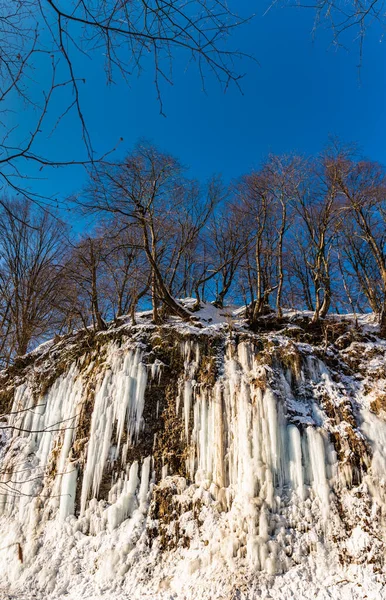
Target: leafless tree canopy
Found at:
x=298, y=233
x=45, y=49
x=32, y=248
x=353, y=17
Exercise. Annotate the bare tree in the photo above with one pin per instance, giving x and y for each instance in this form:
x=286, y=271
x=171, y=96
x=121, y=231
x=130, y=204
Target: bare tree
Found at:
x=362, y=185
x=126, y=273
x=299, y=274
x=283, y=179
x=140, y=190
x=230, y=243
x=358, y=267
x=193, y=209
x=257, y=208
x=348, y=21
x=317, y=205
x=32, y=247
x=105, y=276
x=149, y=192
x=84, y=269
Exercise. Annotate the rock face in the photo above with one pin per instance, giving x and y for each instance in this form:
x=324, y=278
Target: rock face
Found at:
x=183, y=463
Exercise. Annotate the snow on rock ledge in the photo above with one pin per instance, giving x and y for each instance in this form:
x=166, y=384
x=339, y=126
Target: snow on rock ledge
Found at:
x=227, y=461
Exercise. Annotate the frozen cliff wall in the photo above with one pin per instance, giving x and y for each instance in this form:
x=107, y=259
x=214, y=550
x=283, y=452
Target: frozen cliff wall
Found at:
x=148, y=456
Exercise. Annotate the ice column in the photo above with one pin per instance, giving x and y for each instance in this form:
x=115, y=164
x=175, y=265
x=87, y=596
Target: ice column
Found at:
x=119, y=399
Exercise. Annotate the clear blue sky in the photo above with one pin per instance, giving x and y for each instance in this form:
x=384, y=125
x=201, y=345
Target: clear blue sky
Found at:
x=302, y=90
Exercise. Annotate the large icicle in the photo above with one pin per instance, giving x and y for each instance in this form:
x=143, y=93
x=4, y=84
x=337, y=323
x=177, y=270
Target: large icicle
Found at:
x=120, y=400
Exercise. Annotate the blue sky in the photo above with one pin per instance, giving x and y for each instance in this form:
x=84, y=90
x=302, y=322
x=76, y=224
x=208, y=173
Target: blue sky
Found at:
x=302, y=90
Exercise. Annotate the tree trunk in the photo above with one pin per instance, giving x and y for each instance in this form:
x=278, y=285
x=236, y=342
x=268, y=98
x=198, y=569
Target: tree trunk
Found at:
x=382, y=320
x=154, y=299
x=316, y=315
x=132, y=313
x=326, y=298
x=100, y=323
x=159, y=288
x=280, y=261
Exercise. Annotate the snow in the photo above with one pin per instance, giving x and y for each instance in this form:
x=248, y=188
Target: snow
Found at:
x=123, y=506
x=258, y=503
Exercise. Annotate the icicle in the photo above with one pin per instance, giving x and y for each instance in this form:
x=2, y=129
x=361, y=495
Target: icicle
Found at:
x=375, y=430
x=126, y=503
x=139, y=398
x=295, y=456
x=67, y=492
x=119, y=399
x=318, y=468
x=46, y=425
x=187, y=404
x=156, y=370
x=145, y=476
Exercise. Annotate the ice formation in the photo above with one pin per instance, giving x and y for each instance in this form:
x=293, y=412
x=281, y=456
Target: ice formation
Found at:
x=261, y=481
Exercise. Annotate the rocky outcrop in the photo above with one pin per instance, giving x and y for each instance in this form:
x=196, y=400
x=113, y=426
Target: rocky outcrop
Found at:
x=146, y=454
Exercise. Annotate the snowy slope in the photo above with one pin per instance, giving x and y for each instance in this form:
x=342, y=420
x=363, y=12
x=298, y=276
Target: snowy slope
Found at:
x=202, y=461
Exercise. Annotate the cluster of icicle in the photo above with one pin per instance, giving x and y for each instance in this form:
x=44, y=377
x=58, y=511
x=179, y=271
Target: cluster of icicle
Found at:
x=244, y=450
x=46, y=432
x=241, y=445
x=241, y=439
